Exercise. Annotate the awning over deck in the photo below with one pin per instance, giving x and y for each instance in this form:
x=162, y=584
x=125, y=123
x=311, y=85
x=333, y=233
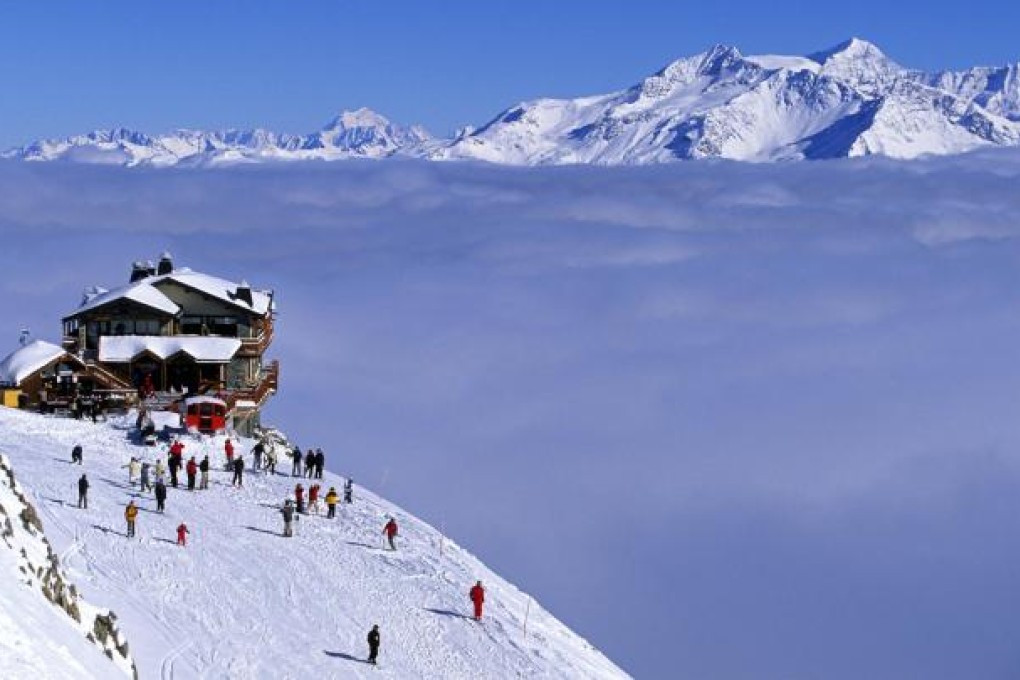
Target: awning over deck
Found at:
x=125, y=348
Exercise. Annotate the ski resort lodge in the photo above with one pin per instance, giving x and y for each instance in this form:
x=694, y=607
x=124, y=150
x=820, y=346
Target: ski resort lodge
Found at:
x=168, y=334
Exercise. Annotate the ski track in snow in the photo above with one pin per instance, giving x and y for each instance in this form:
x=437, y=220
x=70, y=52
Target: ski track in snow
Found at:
x=241, y=601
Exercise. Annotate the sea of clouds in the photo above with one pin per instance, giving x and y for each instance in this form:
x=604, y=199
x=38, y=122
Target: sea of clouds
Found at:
x=726, y=420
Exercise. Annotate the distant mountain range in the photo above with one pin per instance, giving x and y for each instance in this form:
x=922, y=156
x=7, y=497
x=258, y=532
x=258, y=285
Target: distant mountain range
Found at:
x=851, y=100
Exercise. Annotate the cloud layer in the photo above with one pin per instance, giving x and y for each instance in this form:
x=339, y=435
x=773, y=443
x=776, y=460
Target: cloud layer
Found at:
x=727, y=420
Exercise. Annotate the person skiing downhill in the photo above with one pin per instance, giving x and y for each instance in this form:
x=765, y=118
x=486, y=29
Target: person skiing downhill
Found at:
x=288, y=518
x=331, y=501
x=76, y=454
x=160, y=491
x=477, y=594
x=373, y=644
x=391, y=532
x=130, y=513
x=182, y=534
x=83, y=492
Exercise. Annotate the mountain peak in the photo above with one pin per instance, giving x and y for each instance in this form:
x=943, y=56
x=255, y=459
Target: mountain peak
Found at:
x=363, y=117
x=718, y=58
x=850, y=49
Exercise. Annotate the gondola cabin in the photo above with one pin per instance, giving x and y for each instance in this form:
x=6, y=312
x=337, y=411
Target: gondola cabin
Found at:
x=207, y=415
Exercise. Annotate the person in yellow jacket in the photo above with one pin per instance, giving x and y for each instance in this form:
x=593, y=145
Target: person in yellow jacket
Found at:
x=331, y=500
x=130, y=513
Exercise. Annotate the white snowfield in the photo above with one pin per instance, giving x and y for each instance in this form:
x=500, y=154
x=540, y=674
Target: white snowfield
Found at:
x=241, y=601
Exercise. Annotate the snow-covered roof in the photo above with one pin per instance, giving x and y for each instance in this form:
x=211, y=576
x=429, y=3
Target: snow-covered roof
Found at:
x=147, y=292
x=124, y=348
x=26, y=360
x=204, y=400
x=219, y=288
x=141, y=292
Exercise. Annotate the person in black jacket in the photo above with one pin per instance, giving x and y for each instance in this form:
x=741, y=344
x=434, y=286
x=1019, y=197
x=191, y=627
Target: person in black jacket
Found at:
x=310, y=463
x=298, y=457
x=203, y=468
x=373, y=644
x=288, y=518
x=83, y=492
x=320, y=462
x=238, y=471
x=76, y=454
x=160, y=491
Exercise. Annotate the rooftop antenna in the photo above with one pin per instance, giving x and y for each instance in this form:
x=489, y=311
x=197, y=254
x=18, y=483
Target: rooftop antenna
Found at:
x=26, y=335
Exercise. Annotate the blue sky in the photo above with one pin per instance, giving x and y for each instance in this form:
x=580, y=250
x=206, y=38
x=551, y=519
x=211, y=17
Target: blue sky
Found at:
x=68, y=67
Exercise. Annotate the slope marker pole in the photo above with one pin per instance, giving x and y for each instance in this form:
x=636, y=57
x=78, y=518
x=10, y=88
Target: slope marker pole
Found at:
x=527, y=612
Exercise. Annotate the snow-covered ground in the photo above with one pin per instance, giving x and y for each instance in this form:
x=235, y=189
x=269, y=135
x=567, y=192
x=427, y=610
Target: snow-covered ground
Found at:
x=241, y=601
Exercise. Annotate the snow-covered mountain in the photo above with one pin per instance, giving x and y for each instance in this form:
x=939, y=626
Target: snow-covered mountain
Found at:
x=241, y=601
x=351, y=134
x=850, y=100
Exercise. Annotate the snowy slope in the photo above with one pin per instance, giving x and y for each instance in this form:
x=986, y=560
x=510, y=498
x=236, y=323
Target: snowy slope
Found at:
x=44, y=623
x=849, y=100
x=242, y=602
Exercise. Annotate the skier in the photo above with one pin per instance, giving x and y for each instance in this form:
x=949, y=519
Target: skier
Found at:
x=160, y=468
x=83, y=492
x=313, y=499
x=477, y=594
x=133, y=468
x=228, y=449
x=177, y=448
x=297, y=456
x=238, y=472
x=203, y=467
x=130, y=513
x=299, y=497
x=310, y=463
x=256, y=451
x=76, y=454
x=182, y=534
x=373, y=644
x=160, y=491
x=349, y=491
x=144, y=479
x=320, y=462
x=175, y=465
x=288, y=518
x=192, y=470
x=271, y=460
x=391, y=532
x=331, y=501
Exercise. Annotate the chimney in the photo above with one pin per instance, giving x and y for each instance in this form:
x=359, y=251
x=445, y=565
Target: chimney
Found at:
x=244, y=292
x=166, y=264
x=138, y=271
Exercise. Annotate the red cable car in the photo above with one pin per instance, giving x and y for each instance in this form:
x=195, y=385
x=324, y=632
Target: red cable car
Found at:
x=207, y=415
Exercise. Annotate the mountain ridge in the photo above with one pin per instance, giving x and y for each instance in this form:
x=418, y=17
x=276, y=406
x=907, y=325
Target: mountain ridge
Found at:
x=848, y=100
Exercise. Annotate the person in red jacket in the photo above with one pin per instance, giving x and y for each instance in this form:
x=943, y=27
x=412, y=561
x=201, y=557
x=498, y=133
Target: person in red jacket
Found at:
x=477, y=594
x=391, y=532
x=177, y=448
x=182, y=534
x=313, y=498
x=228, y=448
x=192, y=470
x=299, y=498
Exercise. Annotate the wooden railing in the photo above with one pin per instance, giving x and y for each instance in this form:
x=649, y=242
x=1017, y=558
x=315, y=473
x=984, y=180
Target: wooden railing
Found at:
x=268, y=383
x=261, y=341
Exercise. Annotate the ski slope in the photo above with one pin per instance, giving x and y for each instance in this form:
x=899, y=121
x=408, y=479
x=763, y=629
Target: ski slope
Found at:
x=241, y=601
